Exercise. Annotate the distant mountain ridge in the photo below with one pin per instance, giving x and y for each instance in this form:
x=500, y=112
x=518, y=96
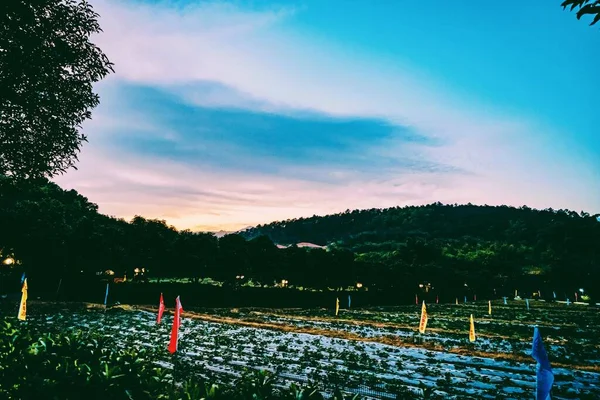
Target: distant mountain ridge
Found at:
x=222, y=233
x=302, y=244
x=433, y=221
x=455, y=244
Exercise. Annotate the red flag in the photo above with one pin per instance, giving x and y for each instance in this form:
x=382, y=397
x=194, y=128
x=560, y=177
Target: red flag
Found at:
x=176, y=322
x=416, y=299
x=475, y=297
x=161, y=309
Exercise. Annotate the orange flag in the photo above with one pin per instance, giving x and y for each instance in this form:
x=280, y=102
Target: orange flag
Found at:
x=176, y=323
x=472, y=330
x=161, y=309
x=423, y=323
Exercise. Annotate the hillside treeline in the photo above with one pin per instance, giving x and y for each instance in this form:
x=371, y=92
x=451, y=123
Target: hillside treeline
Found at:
x=57, y=234
x=453, y=245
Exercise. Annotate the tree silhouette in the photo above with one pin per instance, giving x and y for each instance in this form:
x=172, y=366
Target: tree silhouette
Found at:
x=60, y=234
x=47, y=68
x=585, y=7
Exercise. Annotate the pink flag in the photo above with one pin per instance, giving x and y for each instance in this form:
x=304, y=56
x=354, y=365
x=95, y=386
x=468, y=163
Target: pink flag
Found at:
x=474, y=297
x=161, y=309
x=416, y=299
x=575, y=296
x=175, y=330
x=437, y=299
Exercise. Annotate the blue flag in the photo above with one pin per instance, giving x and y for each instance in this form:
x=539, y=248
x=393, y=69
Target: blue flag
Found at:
x=106, y=295
x=22, y=278
x=349, y=301
x=465, y=299
x=568, y=301
x=527, y=302
x=554, y=293
x=504, y=300
x=544, y=375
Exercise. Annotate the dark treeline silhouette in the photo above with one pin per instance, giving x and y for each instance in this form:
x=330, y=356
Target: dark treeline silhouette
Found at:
x=57, y=234
x=485, y=247
x=460, y=250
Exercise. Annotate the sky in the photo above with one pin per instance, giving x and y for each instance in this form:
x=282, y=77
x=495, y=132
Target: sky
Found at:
x=223, y=115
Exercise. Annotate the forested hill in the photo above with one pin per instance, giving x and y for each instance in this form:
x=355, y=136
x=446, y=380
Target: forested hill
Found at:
x=457, y=243
x=437, y=221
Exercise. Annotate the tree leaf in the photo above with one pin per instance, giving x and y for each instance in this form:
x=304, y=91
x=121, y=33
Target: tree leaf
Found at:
x=588, y=9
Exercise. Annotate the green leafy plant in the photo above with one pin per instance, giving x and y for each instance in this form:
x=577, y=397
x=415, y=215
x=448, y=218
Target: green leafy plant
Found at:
x=310, y=392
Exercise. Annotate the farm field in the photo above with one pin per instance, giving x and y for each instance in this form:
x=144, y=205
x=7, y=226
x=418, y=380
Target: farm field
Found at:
x=376, y=352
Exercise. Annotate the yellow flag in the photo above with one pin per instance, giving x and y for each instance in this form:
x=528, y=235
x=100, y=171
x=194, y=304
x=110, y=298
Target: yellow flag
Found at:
x=337, y=306
x=489, y=307
x=423, y=323
x=457, y=301
x=472, y=330
x=23, y=305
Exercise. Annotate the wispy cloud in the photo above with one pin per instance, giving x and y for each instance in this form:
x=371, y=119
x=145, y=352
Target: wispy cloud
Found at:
x=237, y=139
x=224, y=117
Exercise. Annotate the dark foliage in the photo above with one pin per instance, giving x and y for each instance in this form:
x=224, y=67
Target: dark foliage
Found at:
x=47, y=68
x=585, y=7
x=484, y=246
x=77, y=365
x=58, y=234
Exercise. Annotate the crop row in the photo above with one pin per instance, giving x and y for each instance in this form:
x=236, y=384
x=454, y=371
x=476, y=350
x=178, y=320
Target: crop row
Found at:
x=223, y=352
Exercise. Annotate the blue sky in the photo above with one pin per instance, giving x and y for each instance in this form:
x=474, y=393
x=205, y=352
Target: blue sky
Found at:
x=227, y=114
